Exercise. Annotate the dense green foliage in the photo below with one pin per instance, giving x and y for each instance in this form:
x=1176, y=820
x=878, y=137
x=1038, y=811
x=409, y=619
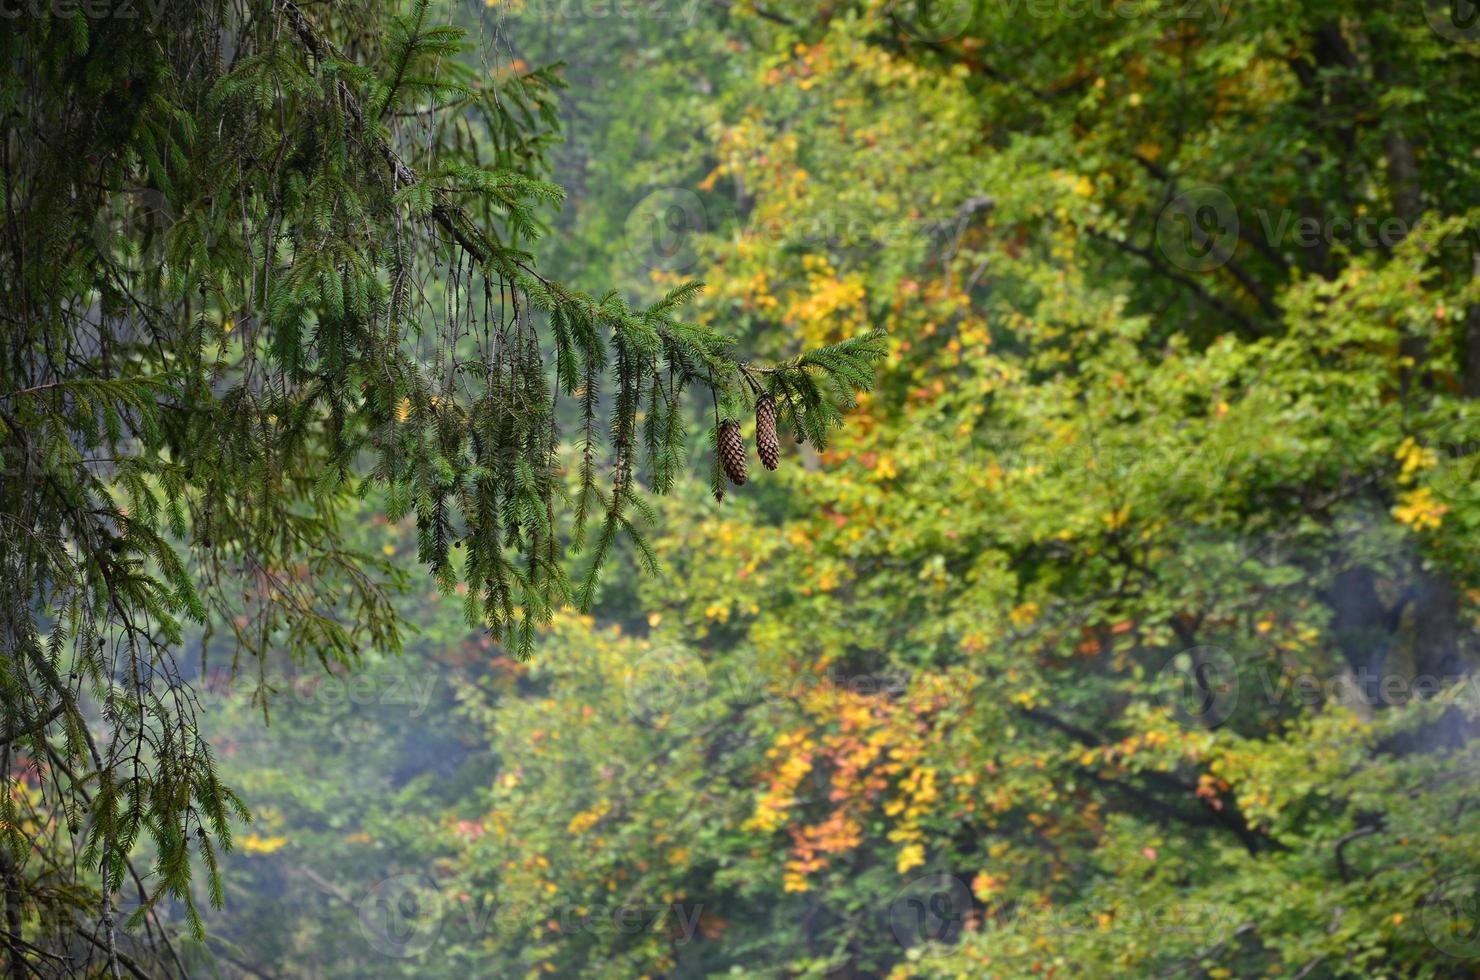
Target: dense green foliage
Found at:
x=259, y=259
x=1128, y=628
x=1120, y=630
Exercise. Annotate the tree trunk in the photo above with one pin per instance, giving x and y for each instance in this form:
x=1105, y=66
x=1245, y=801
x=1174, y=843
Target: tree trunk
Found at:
x=1362, y=629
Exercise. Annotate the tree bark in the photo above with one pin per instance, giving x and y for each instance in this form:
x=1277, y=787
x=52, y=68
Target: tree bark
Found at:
x=1362, y=628
x=1470, y=378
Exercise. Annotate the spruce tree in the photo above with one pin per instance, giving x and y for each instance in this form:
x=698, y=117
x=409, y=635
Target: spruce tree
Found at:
x=257, y=257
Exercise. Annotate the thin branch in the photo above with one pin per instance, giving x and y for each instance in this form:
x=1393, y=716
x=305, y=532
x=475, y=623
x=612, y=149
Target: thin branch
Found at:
x=1197, y=289
x=1342, y=867
x=35, y=727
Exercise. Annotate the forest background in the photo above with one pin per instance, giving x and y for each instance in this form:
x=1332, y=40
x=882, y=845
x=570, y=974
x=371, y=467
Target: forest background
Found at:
x=1128, y=626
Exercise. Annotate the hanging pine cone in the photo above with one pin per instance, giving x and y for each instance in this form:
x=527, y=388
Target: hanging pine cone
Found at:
x=765, y=432
x=732, y=451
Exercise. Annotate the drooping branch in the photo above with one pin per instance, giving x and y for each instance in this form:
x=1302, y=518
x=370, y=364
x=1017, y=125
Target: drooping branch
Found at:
x=35, y=727
x=1223, y=815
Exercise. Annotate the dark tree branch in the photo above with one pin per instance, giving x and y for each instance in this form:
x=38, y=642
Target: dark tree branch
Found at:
x=35, y=727
x=1222, y=815
x=1342, y=868
x=1197, y=289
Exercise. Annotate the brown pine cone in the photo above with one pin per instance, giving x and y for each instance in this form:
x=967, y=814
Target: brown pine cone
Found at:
x=732, y=451
x=765, y=432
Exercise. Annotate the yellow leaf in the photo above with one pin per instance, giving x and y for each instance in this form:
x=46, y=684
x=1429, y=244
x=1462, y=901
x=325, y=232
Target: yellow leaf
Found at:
x=910, y=856
x=254, y=843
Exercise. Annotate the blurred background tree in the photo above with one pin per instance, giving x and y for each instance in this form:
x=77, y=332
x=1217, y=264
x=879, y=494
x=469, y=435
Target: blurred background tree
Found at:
x=1128, y=628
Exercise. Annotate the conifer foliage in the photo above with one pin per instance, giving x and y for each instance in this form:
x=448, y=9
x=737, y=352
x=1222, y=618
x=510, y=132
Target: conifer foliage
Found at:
x=257, y=257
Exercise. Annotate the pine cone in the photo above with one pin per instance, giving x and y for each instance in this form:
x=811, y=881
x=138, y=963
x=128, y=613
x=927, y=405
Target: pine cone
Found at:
x=765, y=432
x=732, y=451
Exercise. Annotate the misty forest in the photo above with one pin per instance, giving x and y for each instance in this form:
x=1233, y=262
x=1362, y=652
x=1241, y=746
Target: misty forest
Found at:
x=751, y=488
